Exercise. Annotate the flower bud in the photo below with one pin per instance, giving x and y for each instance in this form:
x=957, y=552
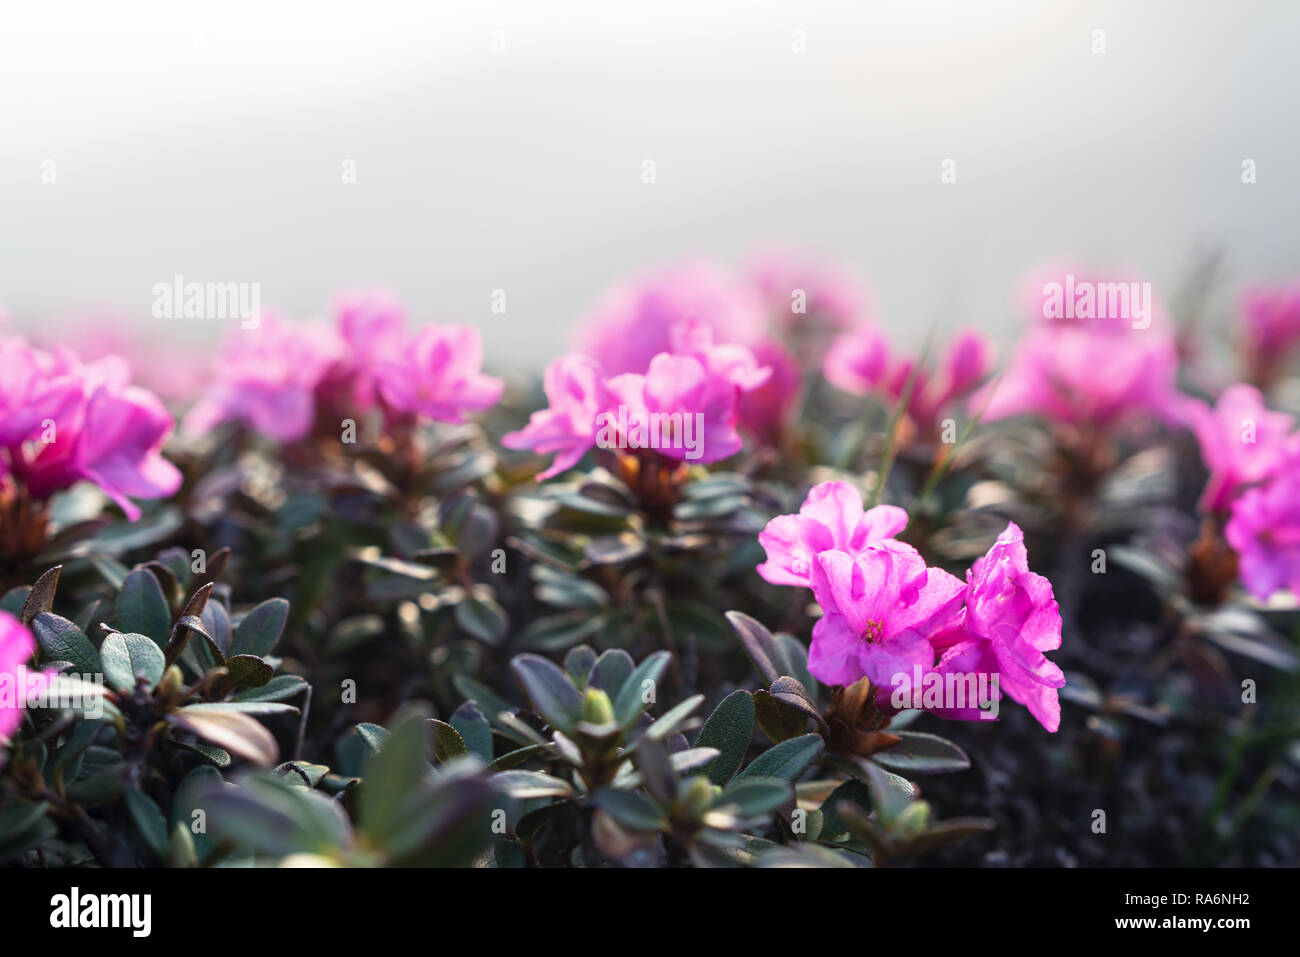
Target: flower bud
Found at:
x=596, y=707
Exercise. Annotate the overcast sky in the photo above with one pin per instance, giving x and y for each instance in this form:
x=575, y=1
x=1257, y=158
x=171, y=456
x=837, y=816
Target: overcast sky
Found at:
x=502, y=146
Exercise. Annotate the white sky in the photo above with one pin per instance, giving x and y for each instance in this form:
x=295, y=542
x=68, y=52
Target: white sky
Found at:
x=207, y=140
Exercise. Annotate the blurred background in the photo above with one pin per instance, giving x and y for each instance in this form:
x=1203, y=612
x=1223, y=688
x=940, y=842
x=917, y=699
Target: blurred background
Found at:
x=504, y=146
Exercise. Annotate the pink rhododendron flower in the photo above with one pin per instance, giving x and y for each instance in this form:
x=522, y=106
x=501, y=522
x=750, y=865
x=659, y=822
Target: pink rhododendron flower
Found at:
x=735, y=363
x=1270, y=330
x=879, y=608
x=576, y=393
x=634, y=322
x=16, y=648
x=800, y=289
x=34, y=386
x=860, y=362
x=266, y=378
x=830, y=519
x=114, y=440
x=700, y=405
x=372, y=329
x=64, y=421
x=1088, y=361
x=1264, y=530
x=684, y=405
x=764, y=411
x=1010, y=618
x=1241, y=440
x=439, y=375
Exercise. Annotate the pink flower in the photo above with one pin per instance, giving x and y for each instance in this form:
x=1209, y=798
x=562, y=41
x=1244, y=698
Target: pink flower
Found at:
x=16, y=648
x=634, y=322
x=1241, y=441
x=879, y=608
x=1264, y=530
x=576, y=392
x=684, y=406
x=1271, y=328
x=1010, y=619
x=860, y=363
x=372, y=329
x=64, y=421
x=266, y=378
x=115, y=440
x=34, y=386
x=692, y=408
x=1089, y=361
x=830, y=519
x=765, y=411
x=803, y=291
x=735, y=363
x=439, y=375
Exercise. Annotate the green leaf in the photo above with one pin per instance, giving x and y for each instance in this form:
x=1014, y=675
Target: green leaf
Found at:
x=578, y=664
x=758, y=643
x=482, y=618
x=474, y=730
x=666, y=723
x=130, y=657
x=244, y=707
x=835, y=826
x=526, y=785
x=149, y=822
x=142, y=608
x=61, y=640
x=41, y=597
x=260, y=629
x=391, y=793
x=729, y=728
x=373, y=735
x=611, y=670
x=248, y=671
x=632, y=809
x=655, y=764
x=549, y=689
x=753, y=796
x=631, y=700
x=233, y=731
x=488, y=701
x=269, y=816
x=787, y=760
x=279, y=688
x=187, y=800
x=890, y=794
x=556, y=632
x=921, y=753
x=447, y=742
x=779, y=720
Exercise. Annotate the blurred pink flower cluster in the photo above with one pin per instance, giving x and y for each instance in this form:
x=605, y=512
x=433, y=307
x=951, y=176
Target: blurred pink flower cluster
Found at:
x=885, y=614
x=691, y=379
x=1098, y=352
x=1253, y=455
x=1270, y=330
x=277, y=376
x=861, y=363
x=784, y=306
x=63, y=421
